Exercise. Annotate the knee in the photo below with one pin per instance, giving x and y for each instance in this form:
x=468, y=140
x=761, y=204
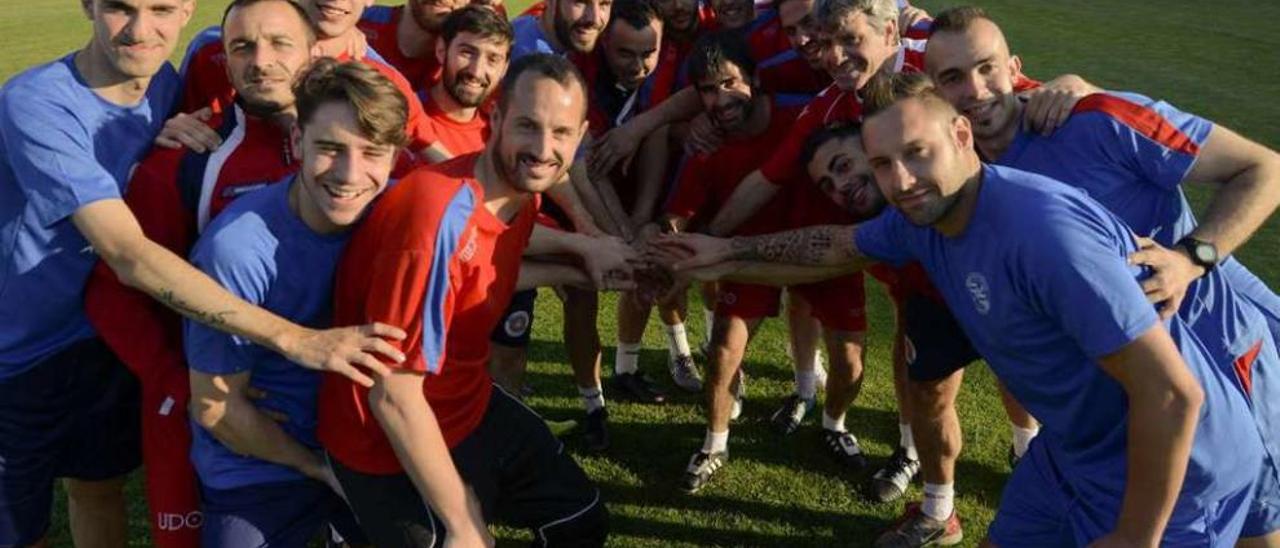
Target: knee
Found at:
x=587, y=529
x=928, y=399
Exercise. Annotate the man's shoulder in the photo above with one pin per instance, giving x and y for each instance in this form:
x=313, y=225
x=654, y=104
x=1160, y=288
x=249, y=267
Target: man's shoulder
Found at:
x=1156, y=120
x=40, y=90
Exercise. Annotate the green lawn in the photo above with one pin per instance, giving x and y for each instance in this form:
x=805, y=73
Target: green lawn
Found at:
x=1218, y=59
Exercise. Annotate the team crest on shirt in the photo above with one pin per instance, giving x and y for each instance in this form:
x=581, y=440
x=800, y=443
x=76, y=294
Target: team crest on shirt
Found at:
x=469, y=250
x=980, y=291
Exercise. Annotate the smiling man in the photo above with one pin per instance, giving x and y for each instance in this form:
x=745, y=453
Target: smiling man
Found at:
x=474, y=49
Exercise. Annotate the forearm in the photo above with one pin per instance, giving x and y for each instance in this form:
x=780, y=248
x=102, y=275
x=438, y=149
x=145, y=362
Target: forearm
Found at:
x=781, y=275
x=565, y=194
x=826, y=245
x=248, y=431
x=1161, y=429
x=172, y=281
x=549, y=241
x=650, y=174
x=749, y=197
x=415, y=436
x=534, y=274
x=590, y=201
x=681, y=106
x=613, y=208
x=1239, y=208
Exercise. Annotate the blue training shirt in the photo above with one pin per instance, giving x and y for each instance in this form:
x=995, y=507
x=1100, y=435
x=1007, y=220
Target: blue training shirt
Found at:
x=1040, y=284
x=262, y=252
x=62, y=147
x=529, y=38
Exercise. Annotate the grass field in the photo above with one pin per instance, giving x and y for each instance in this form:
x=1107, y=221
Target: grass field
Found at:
x=1218, y=59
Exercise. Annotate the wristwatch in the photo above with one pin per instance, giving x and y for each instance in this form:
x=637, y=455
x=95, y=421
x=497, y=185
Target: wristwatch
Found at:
x=1202, y=253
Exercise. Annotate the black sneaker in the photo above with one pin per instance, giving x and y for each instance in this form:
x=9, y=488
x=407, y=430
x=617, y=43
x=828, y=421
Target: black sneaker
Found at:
x=844, y=448
x=596, y=430
x=890, y=483
x=701, y=467
x=636, y=387
x=788, y=417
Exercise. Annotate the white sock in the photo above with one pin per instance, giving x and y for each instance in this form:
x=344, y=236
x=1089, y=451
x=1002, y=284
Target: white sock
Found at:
x=835, y=424
x=939, y=500
x=907, y=441
x=627, y=358
x=1022, y=438
x=806, y=384
x=592, y=398
x=677, y=340
x=715, y=441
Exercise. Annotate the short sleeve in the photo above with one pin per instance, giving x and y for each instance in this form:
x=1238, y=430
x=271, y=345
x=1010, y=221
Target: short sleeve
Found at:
x=52, y=157
x=784, y=165
x=244, y=267
x=1078, y=274
x=1156, y=140
x=884, y=239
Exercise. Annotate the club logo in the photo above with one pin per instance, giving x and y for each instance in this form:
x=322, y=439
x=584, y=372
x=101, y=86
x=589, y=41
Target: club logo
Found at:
x=469, y=251
x=980, y=292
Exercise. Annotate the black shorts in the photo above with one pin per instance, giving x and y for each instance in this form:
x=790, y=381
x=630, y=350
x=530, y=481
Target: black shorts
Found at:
x=74, y=415
x=517, y=321
x=519, y=472
x=936, y=346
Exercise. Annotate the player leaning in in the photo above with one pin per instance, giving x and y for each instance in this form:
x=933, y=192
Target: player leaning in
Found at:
x=1132, y=154
x=72, y=130
x=1145, y=440
x=435, y=450
x=263, y=479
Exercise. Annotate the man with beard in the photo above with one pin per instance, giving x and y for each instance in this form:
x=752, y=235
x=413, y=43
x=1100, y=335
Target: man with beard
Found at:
x=205, y=82
x=434, y=451
x=1133, y=154
x=1145, y=440
x=263, y=481
x=174, y=195
x=567, y=28
x=753, y=122
x=73, y=130
x=405, y=36
x=474, y=48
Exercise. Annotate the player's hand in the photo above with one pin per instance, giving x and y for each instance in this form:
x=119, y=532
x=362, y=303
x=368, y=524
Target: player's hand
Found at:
x=1172, y=271
x=352, y=352
x=704, y=137
x=611, y=262
x=646, y=232
x=909, y=16
x=1049, y=106
x=191, y=131
x=689, y=250
x=617, y=145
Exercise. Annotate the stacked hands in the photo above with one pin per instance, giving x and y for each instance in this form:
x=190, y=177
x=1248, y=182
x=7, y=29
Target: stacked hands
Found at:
x=655, y=265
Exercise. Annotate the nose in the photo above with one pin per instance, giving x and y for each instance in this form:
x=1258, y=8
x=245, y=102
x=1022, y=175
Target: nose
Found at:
x=344, y=166
x=895, y=178
x=972, y=85
x=595, y=15
x=832, y=55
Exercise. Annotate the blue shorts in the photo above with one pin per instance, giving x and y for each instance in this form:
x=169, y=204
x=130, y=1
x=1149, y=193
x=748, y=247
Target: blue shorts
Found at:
x=74, y=415
x=1264, y=511
x=517, y=322
x=284, y=514
x=1040, y=509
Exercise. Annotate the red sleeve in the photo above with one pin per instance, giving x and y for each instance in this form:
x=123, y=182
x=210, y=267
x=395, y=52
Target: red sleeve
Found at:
x=143, y=333
x=784, y=165
x=691, y=188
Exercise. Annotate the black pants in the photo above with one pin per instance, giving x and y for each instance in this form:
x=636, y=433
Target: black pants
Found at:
x=519, y=472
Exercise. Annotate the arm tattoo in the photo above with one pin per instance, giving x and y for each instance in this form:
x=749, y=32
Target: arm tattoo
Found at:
x=818, y=245
x=211, y=319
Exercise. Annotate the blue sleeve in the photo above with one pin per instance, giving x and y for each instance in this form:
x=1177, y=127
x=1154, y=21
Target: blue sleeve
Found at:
x=1158, y=141
x=52, y=155
x=884, y=238
x=1078, y=273
x=236, y=257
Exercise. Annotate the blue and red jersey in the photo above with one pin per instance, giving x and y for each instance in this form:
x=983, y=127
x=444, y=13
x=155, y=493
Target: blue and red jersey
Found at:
x=430, y=258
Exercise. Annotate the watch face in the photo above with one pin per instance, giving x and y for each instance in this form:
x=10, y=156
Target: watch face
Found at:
x=1206, y=254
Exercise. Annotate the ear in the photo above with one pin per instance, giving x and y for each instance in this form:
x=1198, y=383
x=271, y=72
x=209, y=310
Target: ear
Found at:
x=441, y=49
x=295, y=141
x=891, y=33
x=1015, y=67
x=188, y=9
x=962, y=133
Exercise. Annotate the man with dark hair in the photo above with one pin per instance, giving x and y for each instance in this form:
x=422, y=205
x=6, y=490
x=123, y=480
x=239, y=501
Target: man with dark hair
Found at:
x=73, y=129
x=1133, y=154
x=1146, y=440
x=435, y=451
x=406, y=37
x=474, y=48
x=263, y=481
